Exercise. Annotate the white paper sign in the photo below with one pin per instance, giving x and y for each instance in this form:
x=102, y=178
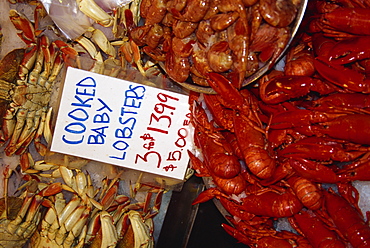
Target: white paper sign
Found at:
x=123, y=123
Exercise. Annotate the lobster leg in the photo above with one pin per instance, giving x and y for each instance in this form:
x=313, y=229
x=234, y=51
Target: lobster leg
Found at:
x=237, y=234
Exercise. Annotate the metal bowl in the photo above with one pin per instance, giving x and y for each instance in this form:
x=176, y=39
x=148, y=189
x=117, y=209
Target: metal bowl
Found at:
x=262, y=70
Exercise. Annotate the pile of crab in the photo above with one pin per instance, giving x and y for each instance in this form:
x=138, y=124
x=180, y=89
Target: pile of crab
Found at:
x=49, y=204
x=294, y=146
x=69, y=211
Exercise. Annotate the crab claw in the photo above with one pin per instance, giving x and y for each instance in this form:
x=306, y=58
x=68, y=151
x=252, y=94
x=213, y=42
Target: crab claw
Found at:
x=109, y=234
x=141, y=229
x=92, y=10
x=24, y=26
x=52, y=189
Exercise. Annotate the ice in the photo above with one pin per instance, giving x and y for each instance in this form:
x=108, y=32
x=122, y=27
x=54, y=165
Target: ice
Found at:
x=363, y=188
x=283, y=224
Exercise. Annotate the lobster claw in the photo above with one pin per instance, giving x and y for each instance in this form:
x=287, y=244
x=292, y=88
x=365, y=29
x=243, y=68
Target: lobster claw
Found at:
x=283, y=88
x=226, y=89
x=350, y=50
x=356, y=171
x=326, y=149
x=314, y=171
x=342, y=76
x=302, y=117
x=319, y=236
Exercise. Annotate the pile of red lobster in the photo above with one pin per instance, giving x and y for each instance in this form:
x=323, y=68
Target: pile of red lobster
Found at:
x=292, y=146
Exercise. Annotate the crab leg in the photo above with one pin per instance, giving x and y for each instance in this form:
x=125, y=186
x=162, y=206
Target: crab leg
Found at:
x=94, y=53
x=41, y=148
x=19, y=123
x=7, y=173
x=48, y=224
x=109, y=233
x=92, y=10
x=24, y=26
x=9, y=122
x=69, y=208
x=142, y=235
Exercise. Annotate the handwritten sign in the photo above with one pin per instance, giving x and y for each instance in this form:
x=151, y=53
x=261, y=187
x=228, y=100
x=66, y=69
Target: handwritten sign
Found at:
x=123, y=123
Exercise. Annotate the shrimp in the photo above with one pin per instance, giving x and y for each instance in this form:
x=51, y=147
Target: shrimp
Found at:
x=278, y=13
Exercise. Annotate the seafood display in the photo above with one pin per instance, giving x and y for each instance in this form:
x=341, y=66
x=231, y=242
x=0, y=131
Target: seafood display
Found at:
x=292, y=147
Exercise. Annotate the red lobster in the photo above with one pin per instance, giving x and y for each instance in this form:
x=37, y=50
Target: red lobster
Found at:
x=317, y=233
x=269, y=203
x=348, y=221
x=216, y=150
x=348, y=52
x=267, y=238
x=272, y=204
x=350, y=127
x=234, y=185
x=307, y=192
x=248, y=130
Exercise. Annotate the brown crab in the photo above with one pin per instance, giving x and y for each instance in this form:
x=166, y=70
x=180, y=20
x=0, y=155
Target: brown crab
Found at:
x=8, y=72
x=19, y=216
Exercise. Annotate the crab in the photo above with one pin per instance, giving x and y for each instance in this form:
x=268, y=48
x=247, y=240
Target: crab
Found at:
x=34, y=70
x=8, y=72
x=19, y=216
